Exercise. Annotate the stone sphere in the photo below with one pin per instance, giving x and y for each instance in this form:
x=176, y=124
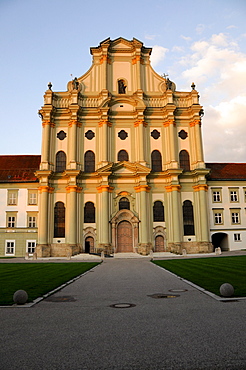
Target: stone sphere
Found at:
x=20, y=297
x=226, y=290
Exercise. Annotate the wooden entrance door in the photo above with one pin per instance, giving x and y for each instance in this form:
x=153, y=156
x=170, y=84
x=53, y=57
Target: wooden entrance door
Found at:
x=124, y=237
x=159, y=244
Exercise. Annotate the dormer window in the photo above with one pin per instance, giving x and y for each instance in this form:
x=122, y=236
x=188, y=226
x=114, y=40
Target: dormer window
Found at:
x=121, y=87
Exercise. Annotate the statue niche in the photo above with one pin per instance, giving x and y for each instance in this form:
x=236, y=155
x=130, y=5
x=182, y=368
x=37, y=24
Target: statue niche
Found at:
x=121, y=87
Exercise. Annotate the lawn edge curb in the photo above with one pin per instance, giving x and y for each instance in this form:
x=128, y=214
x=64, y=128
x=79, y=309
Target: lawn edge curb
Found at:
x=39, y=299
x=212, y=295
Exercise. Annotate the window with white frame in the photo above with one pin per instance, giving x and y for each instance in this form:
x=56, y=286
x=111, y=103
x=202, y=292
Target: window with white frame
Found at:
x=11, y=221
x=12, y=197
x=218, y=218
x=237, y=237
x=30, y=246
x=234, y=195
x=235, y=217
x=216, y=196
x=32, y=197
x=10, y=247
x=32, y=221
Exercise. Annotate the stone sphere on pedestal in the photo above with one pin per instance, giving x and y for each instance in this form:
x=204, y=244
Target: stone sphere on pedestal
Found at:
x=226, y=290
x=20, y=297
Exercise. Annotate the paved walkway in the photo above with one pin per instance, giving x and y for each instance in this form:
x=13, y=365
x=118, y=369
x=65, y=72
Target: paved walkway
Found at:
x=77, y=328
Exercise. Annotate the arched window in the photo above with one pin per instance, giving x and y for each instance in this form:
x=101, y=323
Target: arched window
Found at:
x=184, y=160
x=121, y=87
x=89, y=212
x=89, y=161
x=156, y=161
x=158, y=211
x=60, y=161
x=123, y=155
x=124, y=203
x=59, y=220
x=188, y=218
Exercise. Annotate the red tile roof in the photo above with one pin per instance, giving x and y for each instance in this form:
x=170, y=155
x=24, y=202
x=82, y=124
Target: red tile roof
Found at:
x=19, y=168
x=226, y=171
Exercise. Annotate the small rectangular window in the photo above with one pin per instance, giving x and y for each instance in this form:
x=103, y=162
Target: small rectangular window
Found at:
x=32, y=197
x=218, y=218
x=216, y=196
x=237, y=237
x=233, y=196
x=31, y=245
x=11, y=221
x=235, y=218
x=9, y=247
x=32, y=221
x=12, y=197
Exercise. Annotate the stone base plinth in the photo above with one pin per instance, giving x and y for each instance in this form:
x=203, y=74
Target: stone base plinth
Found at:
x=190, y=247
x=57, y=250
x=144, y=248
x=105, y=247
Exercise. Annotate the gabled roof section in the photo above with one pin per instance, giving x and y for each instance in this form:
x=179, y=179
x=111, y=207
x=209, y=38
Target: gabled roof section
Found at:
x=130, y=168
x=19, y=168
x=226, y=171
x=121, y=44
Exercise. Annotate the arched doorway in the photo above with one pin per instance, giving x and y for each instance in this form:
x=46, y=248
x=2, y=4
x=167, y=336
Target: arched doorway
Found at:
x=159, y=244
x=124, y=237
x=89, y=245
x=220, y=240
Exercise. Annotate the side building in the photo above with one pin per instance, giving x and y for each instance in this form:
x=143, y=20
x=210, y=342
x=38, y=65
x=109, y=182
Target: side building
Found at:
x=122, y=167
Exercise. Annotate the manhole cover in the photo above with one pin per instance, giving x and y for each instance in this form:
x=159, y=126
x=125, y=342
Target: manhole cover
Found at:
x=122, y=305
x=161, y=295
x=178, y=290
x=65, y=298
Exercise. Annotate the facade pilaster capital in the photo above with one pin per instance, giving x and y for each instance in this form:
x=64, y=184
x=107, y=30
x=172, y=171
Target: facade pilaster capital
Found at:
x=103, y=59
x=136, y=59
x=140, y=188
x=74, y=122
x=203, y=187
x=140, y=122
x=47, y=122
x=195, y=122
x=105, y=188
x=171, y=188
x=169, y=122
x=73, y=188
x=45, y=189
x=104, y=122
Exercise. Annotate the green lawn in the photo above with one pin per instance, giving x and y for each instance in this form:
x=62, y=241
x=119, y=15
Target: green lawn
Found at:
x=211, y=272
x=36, y=279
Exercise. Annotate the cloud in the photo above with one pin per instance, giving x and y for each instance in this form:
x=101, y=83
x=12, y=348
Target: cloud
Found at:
x=178, y=49
x=150, y=37
x=218, y=68
x=231, y=26
x=200, y=28
x=158, y=54
x=186, y=38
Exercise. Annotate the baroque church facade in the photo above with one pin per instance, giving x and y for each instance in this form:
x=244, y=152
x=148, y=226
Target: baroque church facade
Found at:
x=121, y=168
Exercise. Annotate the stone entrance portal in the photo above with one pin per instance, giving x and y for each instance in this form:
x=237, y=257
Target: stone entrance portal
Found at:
x=124, y=237
x=125, y=232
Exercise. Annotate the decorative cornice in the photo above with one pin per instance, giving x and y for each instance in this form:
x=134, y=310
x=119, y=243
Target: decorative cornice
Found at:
x=140, y=188
x=195, y=122
x=171, y=188
x=203, y=187
x=104, y=122
x=136, y=59
x=140, y=122
x=103, y=188
x=169, y=122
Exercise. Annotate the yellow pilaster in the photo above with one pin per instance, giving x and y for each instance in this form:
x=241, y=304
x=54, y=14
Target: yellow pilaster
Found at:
x=43, y=230
x=71, y=214
x=104, y=191
x=143, y=190
x=175, y=217
x=203, y=211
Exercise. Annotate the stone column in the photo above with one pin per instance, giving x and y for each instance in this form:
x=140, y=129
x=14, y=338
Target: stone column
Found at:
x=46, y=137
x=144, y=230
x=104, y=190
x=175, y=217
x=104, y=140
x=203, y=211
x=72, y=148
x=140, y=144
x=43, y=248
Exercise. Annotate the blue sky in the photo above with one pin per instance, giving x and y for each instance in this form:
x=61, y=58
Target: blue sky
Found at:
x=200, y=41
